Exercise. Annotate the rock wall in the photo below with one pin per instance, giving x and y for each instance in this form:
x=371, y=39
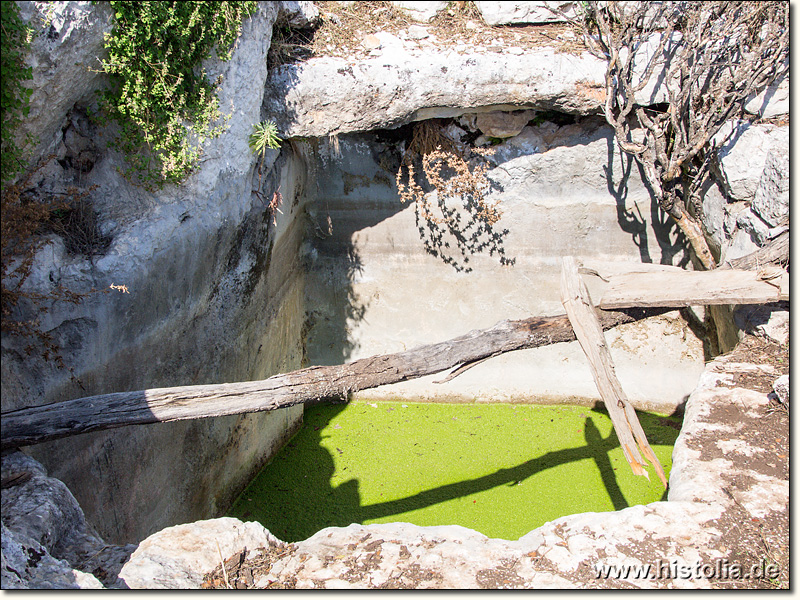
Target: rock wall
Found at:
x=215, y=292
x=374, y=289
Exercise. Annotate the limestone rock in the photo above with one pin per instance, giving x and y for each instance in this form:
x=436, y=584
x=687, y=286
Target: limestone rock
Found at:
x=715, y=207
x=781, y=388
x=500, y=124
x=193, y=258
x=47, y=542
x=769, y=321
x=771, y=201
x=333, y=95
x=65, y=55
x=655, y=91
x=26, y=565
x=772, y=102
x=507, y=13
x=296, y=14
x=744, y=155
x=178, y=557
x=417, y=32
x=420, y=11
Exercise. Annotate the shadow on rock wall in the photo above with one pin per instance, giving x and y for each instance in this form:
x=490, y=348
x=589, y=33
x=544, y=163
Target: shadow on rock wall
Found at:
x=667, y=234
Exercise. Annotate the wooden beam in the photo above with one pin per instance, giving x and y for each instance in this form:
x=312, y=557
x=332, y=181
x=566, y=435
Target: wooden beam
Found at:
x=585, y=322
x=694, y=288
x=314, y=384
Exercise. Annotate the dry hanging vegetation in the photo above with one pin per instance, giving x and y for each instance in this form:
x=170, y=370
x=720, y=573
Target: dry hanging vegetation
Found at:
x=25, y=217
x=711, y=57
x=450, y=196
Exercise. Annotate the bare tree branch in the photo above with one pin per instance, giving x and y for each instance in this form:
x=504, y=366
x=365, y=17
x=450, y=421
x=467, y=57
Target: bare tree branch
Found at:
x=710, y=58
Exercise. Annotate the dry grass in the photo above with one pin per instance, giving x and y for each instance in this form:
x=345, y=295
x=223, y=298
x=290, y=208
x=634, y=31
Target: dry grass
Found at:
x=446, y=181
x=343, y=29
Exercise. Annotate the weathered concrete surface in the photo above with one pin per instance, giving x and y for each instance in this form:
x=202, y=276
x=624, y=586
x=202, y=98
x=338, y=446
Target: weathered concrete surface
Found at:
x=374, y=289
x=713, y=476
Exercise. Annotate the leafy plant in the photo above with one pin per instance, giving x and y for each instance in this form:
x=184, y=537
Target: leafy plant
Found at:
x=163, y=102
x=14, y=43
x=265, y=135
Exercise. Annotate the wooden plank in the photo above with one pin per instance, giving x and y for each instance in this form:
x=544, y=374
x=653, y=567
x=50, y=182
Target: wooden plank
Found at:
x=585, y=322
x=311, y=385
x=692, y=288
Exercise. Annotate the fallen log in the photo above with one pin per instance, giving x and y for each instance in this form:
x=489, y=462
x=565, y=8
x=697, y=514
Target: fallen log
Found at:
x=38, y=424
x=585, y=321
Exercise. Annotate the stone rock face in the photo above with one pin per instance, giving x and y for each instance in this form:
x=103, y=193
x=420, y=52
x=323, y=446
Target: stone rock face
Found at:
x=178, y=557
x=770, y=321
x=655, y=91
x=47, y=543
x=508, y=13
x=26, y=564
x=501, y=124
x=409, y=85
x=215, y=294
x=744, y=150
x=772, y=102
x=296, y=14
x=781, y=388
x=753, y=171
x=66, y=50
x=421, y=11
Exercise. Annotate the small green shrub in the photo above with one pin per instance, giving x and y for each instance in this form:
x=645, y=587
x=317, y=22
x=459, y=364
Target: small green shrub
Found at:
x=163, y=102
x=265, y=135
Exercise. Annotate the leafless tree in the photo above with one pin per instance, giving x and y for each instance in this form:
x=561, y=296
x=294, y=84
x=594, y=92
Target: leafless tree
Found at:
x=710, y=58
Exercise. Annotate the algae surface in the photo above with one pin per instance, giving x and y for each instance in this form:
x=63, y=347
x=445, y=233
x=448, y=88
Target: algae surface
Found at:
x=501, y=469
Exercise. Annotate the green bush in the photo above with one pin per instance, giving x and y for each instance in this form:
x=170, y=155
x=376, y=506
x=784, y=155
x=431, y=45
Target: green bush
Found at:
x=14, y=43
x=162, y=100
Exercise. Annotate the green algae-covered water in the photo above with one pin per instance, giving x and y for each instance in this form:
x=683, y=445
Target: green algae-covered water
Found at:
x=501, y=469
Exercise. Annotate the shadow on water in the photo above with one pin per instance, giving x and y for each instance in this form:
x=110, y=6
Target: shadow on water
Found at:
x=302, y=491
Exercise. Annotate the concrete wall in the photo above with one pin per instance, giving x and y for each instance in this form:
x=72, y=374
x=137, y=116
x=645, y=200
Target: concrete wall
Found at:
x=373, y=288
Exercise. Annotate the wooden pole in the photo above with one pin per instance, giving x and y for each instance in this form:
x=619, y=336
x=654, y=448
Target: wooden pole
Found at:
x=314, y=384
x=585, y=322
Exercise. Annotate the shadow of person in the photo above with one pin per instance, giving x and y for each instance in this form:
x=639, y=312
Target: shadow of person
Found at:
x=294, y=496
x=300, y=495
x=597, y=448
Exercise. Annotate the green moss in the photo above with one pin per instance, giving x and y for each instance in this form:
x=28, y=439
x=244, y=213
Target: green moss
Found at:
x=497, y=468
